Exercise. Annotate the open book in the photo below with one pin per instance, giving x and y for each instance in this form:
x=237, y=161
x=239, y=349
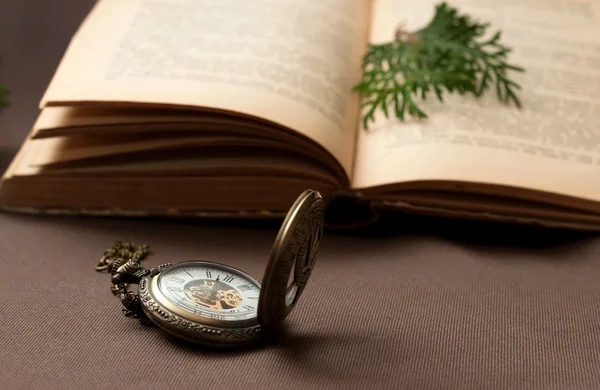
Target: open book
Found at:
x=230, y=108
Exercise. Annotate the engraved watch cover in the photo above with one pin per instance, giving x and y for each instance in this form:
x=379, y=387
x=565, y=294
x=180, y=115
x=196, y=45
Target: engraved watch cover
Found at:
x=295, y=248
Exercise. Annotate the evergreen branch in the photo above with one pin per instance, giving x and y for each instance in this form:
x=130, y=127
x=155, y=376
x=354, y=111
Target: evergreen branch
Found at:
x=445, y=54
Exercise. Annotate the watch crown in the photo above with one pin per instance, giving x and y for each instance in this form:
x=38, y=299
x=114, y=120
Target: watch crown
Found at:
x=114, y=265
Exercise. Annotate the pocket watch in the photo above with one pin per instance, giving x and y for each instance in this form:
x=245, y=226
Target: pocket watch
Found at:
x=214, y=304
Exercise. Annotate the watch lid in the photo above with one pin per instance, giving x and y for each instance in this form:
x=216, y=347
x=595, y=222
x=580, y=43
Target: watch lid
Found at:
x=295, y=249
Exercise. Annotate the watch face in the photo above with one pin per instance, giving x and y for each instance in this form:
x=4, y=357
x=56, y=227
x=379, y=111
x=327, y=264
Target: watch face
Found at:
x=210, y=290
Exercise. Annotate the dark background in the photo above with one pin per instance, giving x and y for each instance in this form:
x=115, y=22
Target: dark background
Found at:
x=409, y=303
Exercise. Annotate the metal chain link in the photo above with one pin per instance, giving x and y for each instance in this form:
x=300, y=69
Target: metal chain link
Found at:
x=126, y=250
x=120, y=253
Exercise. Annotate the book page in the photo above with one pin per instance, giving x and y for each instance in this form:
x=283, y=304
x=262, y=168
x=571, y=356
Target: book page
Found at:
x=552, y=144
x=289, y=62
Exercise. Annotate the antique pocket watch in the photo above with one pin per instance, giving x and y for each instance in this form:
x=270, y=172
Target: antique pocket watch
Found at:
x=215, y=304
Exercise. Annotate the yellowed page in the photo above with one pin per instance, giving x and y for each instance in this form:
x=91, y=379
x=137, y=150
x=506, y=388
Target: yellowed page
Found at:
x=290, y=62
x=52, y=118
x=34, y=154
x=551, y=144
x=65, y=149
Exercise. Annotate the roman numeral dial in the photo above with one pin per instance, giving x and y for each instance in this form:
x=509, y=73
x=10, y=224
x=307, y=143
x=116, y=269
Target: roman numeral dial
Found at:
x=217, y=292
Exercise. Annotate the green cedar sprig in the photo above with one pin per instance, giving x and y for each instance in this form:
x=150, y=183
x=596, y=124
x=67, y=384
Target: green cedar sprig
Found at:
x=445, y=54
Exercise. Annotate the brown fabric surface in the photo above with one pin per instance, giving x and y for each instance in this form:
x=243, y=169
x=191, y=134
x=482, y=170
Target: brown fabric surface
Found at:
x=415, y=303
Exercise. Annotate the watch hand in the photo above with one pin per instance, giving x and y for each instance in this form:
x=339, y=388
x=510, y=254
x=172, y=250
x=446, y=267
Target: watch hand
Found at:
x=213, y=290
